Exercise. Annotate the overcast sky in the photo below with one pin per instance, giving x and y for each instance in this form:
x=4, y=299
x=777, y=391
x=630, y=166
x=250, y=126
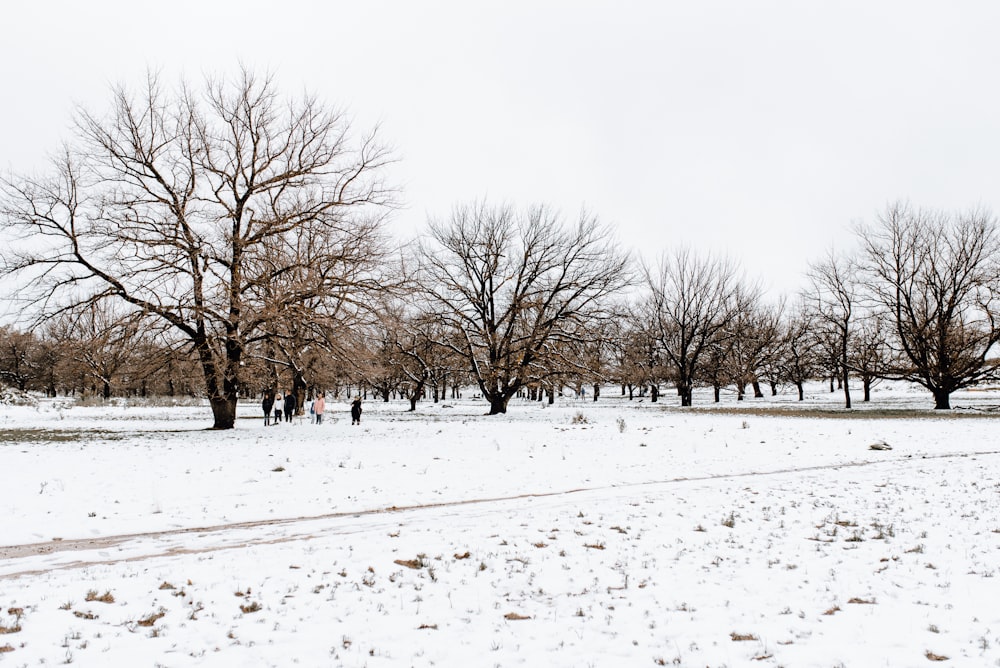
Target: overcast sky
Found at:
x=758, y=129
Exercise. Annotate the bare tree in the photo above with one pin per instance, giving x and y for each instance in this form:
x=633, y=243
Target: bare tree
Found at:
x=18, y=357
x=691, y=302
x=832, y=300
x=752, y=336
x=869, y=354
x=512, y=285
x=104, y=342
x=171, y=203
x=936, y=275
x=797, y=360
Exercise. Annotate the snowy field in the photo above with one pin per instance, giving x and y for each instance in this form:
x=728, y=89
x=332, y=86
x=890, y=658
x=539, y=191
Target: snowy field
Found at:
x=580, y=534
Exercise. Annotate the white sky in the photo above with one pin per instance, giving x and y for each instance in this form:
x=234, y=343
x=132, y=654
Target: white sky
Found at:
x=758, y=129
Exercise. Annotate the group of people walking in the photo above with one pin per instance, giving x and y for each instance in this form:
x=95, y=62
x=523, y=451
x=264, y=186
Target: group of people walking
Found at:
x=287, y=405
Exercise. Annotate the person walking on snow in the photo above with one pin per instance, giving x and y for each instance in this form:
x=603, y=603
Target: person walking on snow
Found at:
x=279, y=404
x=319, y=405
x=356, y=410
x=267, y=404
x=291, y=403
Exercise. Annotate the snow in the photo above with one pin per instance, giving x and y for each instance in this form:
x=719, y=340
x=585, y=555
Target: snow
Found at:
x=608, y=533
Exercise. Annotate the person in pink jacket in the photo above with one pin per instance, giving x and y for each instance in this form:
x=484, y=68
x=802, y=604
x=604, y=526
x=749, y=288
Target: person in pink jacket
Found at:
x=319, y=405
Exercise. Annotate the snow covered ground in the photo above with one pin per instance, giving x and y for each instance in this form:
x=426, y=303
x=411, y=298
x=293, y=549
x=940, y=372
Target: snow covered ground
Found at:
x=609, y=534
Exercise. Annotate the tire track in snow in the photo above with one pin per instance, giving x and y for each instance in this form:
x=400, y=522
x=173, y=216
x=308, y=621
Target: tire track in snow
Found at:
x=39, y=558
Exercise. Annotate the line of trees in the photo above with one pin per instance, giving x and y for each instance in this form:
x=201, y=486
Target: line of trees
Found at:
x=222, y=241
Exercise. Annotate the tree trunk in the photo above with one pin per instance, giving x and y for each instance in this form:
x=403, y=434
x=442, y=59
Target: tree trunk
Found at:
x=867, y=385
x=417, y=393
x=717, y=392
x=847, y=390
x=942, y=399
x=597, y=391
x=224, y=411
x=299, y=388
x=801, y=389
x=686, y=395
x=654, y=393
x=498, y=405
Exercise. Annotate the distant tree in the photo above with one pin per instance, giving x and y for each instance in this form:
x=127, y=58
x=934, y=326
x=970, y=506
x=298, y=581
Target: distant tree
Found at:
x=104, y=342
x=18, y=357
x=690, y=304
x=512, y=284
x=172, y=202
x=797, y=359
x=752, y=338
x=936, y=275
x=832, y=299
x=869, y=355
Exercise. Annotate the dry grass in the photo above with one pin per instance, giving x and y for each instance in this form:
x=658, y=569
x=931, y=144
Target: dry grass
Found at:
x=151, y=619
x=106, y=597
x=56, y=435
x=742, y=637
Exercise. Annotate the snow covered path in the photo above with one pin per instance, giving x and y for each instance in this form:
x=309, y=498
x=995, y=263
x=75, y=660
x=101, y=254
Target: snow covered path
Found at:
x=35, y=558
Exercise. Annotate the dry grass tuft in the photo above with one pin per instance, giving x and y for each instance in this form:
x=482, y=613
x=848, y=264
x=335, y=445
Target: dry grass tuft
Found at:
x=931, y=656
x=514, y=617
x=106, y=597
x=150, y=620
x=742, y=637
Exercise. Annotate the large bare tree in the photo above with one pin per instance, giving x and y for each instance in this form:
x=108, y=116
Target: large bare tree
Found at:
x=171, y=203
x=936, y=275
x=515, y=285
x=691, y=303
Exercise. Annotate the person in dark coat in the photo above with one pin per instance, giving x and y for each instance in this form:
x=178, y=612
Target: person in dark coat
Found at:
x=291, y=403
x=356, y=410
x=267, y=404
